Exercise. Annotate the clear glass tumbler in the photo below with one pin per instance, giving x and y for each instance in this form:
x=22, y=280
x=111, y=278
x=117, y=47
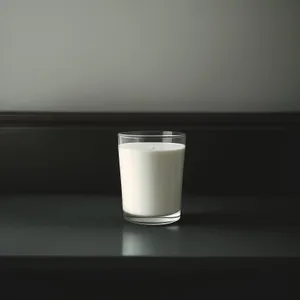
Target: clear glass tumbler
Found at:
x=151, y=171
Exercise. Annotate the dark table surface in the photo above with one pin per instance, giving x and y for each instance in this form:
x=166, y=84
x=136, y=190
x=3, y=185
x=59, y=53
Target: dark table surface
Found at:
x=247, y=247
x=93, y=226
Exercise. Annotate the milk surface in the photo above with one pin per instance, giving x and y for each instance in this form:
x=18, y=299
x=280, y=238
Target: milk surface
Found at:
x=151, y=177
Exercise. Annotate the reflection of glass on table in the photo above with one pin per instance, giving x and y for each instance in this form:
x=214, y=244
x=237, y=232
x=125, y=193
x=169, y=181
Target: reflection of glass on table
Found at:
x=149, y=241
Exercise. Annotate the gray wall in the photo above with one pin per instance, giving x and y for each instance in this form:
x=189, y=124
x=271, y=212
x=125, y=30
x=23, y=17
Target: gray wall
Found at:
x=137, y=55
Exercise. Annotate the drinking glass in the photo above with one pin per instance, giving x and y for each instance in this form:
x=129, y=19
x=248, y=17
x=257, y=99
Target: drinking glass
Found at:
x=151, y=171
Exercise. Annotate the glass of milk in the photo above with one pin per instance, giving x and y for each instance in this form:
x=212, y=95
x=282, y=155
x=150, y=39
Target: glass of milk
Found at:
x=151, y=170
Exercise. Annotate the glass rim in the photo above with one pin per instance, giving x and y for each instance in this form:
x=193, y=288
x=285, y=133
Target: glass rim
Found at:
x=152, y=134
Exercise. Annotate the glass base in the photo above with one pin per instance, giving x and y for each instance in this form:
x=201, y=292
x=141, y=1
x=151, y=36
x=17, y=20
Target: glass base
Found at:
x=152, y=220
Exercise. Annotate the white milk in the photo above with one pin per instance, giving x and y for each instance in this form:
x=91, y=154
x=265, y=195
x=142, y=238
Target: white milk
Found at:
x=151, y=178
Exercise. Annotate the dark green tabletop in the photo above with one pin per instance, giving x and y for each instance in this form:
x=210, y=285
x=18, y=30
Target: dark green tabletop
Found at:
x=92, y=226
